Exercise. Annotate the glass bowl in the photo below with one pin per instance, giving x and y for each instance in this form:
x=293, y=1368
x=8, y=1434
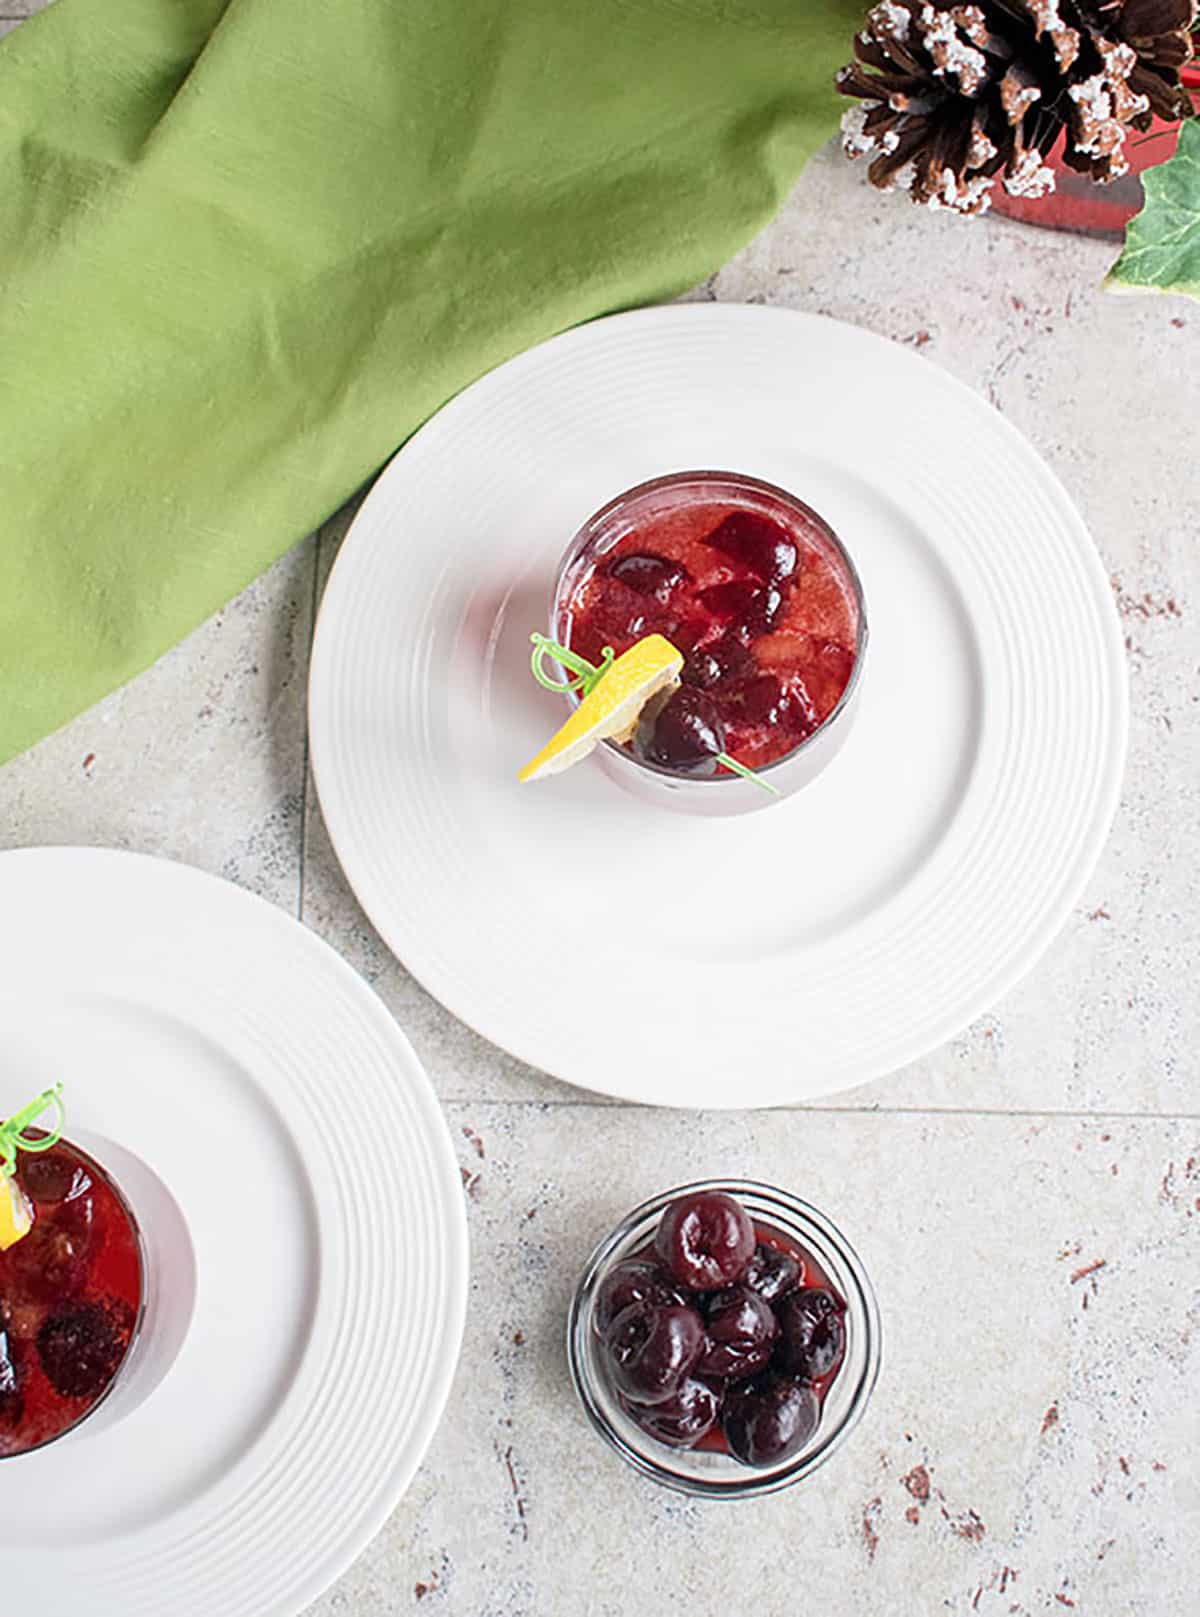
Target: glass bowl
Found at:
x=709, y=1473
x=90, y=1410
x=721, y=793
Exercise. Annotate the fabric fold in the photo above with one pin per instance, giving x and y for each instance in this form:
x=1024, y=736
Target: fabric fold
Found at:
x=248, y=246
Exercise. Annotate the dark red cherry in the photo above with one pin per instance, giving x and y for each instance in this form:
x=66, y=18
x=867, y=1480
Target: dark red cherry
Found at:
x=741, y=1333
x=80, y=1350
x=769, y=1419
x=77, y=1216
x=683, y=630
x=758, y=543
x=66, y=1264
x=719, y=664
x=52, y=1177
x=684, y=736
x=51, y=1263
x=649, y=574
x=652, y=1348
x=704, y=1240
x=812, y=1333
x=633, y=1281
x=765, y=700
x=728, y=602
x=684, y=1418
x=765, y=614
x=772, y=1273
x=744, y=610
x=616, y=616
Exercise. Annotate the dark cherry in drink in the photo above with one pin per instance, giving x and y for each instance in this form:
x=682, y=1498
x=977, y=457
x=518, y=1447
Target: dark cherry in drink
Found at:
x=749, y=584
x=70, y=1298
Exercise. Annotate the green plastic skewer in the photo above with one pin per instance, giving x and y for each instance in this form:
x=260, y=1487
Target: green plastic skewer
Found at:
x=588, y=676
x=12, y=1137
x=747, y=774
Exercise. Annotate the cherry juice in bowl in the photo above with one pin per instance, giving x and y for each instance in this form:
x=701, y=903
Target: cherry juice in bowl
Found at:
x=757, y=592
x=72, y=1294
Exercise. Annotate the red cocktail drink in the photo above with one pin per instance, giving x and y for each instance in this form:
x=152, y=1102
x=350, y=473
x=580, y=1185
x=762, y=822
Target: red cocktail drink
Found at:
x=756, y=591
x=71, y=1296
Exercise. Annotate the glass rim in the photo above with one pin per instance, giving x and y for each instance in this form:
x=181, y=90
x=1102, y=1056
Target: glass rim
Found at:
x=135, y=1330
x=863, y=1306
x=581, y=538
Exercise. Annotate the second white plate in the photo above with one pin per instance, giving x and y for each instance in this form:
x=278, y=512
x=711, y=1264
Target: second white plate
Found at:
x=767, y=958
x=217, y=1052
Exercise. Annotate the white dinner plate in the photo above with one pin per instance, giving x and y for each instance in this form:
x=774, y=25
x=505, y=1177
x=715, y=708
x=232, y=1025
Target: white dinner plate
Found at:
x=753, y=960
x=288, y=1123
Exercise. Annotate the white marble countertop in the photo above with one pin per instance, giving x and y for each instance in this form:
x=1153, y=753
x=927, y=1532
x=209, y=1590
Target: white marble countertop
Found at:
x=1027, y=1199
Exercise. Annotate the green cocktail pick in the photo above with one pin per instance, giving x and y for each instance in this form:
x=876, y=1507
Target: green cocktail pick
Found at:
x=585, y=676
x=12, y=1132
x=747, y=774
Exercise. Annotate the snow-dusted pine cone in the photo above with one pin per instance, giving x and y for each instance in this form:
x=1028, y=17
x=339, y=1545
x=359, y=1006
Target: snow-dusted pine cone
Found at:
x=953, y=98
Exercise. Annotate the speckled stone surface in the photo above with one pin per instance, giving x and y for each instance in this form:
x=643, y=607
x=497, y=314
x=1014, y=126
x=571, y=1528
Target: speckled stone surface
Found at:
x=1027, y=1198
x=1031, y=1436
x=202, y=758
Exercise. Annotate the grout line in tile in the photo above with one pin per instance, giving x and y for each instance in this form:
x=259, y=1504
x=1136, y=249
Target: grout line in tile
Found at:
x=831, y=1111
x=312, y=625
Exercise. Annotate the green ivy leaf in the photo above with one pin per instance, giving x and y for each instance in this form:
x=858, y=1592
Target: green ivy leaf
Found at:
x=1162, y=244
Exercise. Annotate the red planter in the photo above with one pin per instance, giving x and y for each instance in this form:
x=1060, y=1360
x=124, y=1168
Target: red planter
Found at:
x=1080, y=204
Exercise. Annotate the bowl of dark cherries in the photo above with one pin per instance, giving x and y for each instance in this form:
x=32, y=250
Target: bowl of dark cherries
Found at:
x=724, y=1338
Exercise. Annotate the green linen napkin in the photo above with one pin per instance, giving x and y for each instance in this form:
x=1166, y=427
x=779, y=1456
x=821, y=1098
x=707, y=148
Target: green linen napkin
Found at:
x=247, y=246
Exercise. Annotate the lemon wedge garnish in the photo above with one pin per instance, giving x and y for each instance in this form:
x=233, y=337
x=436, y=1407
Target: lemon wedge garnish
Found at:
x=612, y=707
x=16, y=1215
